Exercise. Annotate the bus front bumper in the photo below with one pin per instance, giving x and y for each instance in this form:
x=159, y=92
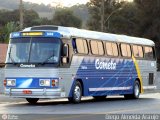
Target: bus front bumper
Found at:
x=35, y=93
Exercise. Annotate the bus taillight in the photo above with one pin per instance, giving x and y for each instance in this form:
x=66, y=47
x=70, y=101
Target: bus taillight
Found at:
x=5, y=82
x=55, y=83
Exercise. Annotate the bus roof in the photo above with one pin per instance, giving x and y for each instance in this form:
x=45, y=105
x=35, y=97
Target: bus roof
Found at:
x=69, y=32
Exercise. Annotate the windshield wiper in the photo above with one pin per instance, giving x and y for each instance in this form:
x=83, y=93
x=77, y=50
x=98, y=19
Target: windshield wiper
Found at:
x=11, y=56
x=49, y=58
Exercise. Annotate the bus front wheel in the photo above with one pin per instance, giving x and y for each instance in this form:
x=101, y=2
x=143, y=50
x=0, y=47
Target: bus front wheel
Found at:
x=32, y=100
x=136, y=91
x=76, y=93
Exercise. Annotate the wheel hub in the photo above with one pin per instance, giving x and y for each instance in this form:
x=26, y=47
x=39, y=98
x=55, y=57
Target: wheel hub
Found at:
x=136, y=90
x=77, y=92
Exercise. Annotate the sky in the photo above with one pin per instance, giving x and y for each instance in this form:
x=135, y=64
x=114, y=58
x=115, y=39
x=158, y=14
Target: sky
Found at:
x=58, y=2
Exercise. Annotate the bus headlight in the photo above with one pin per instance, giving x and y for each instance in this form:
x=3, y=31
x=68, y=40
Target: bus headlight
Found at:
x=44, y=82
x=11, y=82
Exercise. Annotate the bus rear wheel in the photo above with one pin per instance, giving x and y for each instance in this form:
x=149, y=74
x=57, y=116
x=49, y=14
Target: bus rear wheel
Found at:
x=76, y=93
x=32, y=100
x=136, y=91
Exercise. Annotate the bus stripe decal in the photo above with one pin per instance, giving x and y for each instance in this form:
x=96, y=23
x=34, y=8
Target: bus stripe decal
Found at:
x=110, y=88
x=138, y=72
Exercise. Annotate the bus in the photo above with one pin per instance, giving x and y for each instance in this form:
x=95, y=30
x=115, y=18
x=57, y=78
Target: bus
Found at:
x=48, y=62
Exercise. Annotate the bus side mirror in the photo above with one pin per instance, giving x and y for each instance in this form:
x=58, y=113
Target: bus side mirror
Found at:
x=65, y=56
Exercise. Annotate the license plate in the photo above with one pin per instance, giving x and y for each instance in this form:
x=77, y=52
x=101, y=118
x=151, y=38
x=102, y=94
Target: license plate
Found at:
x=27, y=92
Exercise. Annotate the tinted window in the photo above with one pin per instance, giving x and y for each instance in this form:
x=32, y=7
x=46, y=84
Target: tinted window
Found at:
x=82, y=46
x=115, y=49
x=94, y=47
x=148, y=52
x=97, y=47
x=126, y=50
x=111, y=49
x=140, y=49
x=137, y=51
x=100, y=48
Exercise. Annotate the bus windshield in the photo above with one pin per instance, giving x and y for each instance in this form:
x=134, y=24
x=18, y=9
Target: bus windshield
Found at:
x=34, y=50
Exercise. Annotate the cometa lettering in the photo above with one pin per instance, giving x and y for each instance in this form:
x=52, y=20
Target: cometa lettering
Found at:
x=105, y=65
x=27, y=66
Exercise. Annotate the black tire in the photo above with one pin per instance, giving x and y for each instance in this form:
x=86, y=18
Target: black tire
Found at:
x=32, y=100
x=99, y=98
x=136, y=91
x=76, y=93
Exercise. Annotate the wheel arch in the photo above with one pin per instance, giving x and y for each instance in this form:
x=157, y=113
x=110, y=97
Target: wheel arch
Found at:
x=82, y=85
x=140, y=83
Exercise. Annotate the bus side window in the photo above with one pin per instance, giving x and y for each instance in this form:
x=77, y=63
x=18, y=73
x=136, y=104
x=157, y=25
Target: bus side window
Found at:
x=111, y=49
x=100, y=48
x=97, y=47
x=94, y=47
x=115, y=49
x=74, y=45
x=138, y=51
x=126, y=50
x=148, y=52
x=81, y=46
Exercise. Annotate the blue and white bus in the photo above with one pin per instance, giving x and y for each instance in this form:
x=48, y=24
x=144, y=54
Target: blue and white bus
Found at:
x=64, y=62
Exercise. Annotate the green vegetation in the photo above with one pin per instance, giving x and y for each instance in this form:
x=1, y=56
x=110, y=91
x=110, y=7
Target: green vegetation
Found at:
x=34, y=14
x=138, y=18
x=8, y=28
x=65, y=17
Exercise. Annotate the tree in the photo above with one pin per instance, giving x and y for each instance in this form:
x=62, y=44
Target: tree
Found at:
x=94, y=7
x=30, y=18
x=8, y=28
x=81, y=11
x=149, y=25
x=125, y=20
x=65, y=17
x=150, y=19
x=45, y=21
x=8, y=16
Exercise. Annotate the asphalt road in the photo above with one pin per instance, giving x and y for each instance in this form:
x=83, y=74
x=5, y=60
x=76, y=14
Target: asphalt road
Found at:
x=88, y=109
